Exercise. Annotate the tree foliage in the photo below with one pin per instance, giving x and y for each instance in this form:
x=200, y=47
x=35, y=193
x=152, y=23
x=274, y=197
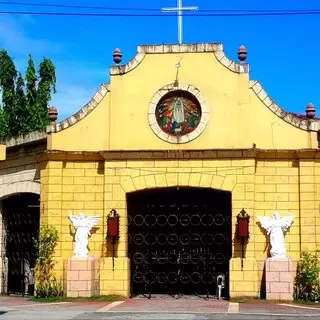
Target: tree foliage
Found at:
x=46, y=283
x=307, y=285
x=25, y=100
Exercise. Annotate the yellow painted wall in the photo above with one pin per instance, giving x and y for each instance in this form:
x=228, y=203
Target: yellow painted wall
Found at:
x=259, y=186
x=70, y=188
x=237, y=117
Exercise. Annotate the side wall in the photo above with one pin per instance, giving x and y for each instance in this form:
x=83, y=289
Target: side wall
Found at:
x=259, y=186
x=69, y=187
x=16, y=176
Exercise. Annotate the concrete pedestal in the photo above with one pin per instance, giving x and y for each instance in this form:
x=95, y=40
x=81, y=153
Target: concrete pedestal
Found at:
x=279, y=279
x=83, y=277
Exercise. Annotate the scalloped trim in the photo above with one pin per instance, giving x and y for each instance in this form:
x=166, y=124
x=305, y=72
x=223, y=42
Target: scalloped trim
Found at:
x=216, y=48
x=230, y=64
x=281, y=113
x=185, y=138
x=82, y=113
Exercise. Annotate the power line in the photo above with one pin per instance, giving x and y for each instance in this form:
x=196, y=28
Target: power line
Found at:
x=76, y=6
x=79, y=14
x=240, y=11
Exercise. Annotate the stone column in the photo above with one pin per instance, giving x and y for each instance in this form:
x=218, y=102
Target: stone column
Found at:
x=279, y=279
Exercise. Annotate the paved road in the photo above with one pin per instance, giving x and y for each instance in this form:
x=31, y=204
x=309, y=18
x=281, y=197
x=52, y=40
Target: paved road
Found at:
x=79, y=315
x=157, y=309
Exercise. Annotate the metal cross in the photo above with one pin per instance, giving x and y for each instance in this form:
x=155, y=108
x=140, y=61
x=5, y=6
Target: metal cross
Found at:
x=179, y=9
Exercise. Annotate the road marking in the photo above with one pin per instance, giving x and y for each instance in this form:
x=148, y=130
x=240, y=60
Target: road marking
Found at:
x=109, y=306
x=39, y=304
x=233, y=307
x=300, y=307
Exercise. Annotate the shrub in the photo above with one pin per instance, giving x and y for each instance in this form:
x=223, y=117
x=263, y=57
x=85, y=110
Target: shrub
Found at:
x=46, y=284
x=307, y=285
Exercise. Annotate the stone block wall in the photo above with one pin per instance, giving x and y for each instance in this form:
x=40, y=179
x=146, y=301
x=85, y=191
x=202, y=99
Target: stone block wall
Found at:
x=260, y=186
x=69, y=187
x=83, y=277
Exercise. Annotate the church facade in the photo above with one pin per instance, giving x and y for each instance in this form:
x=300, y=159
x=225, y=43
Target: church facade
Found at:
x=179, y=143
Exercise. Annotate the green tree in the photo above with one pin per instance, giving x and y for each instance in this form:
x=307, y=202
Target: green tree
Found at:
x=46, y=86
x=25, y=103
x=8, y=74
x=22, y=110
x=31, y=84
x=3, y=130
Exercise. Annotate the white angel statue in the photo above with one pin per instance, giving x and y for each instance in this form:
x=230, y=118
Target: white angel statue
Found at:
x=275, y=227
x=83, y=226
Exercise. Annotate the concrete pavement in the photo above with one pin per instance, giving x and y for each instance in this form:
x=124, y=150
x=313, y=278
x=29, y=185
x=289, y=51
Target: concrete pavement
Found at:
x=153, y=309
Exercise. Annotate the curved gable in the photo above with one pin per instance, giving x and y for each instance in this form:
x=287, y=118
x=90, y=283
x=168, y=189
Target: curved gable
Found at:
x=238, y=112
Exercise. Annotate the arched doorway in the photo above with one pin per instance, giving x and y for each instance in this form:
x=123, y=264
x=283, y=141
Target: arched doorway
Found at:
x=179, y=241
x=21, y=220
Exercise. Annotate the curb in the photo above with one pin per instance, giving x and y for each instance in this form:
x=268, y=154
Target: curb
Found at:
x=277, y=314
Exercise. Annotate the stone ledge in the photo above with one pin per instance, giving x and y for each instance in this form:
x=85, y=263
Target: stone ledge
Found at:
x=30, y=138
x=210, y=154
x=215, y=48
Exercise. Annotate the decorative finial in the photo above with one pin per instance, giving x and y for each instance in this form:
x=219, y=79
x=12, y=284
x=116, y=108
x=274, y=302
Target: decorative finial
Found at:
x=117, y=56
x=242, y=53
x=53, y=114
x=310, y=111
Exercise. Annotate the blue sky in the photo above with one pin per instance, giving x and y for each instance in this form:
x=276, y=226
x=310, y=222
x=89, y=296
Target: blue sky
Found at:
x=282, y=51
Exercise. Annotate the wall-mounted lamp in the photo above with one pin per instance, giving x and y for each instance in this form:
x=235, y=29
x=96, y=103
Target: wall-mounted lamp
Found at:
x=243, y=221
x=113, y=230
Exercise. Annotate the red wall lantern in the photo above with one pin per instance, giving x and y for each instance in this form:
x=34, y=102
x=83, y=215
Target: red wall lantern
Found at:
x=243, y=221
x=113, y=230
x=113, y=225
x=242, y=231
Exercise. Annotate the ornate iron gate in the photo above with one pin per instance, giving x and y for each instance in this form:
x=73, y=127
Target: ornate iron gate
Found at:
x=21, y=216
x=179, y=241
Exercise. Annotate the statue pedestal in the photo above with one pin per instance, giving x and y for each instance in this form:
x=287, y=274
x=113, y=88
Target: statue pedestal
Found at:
x=83, y=277
x=279, y=279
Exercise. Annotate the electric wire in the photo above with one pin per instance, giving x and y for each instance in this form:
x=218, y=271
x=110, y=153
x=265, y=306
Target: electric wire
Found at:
x=32, y=4
x=200, y=13
x=168, y=15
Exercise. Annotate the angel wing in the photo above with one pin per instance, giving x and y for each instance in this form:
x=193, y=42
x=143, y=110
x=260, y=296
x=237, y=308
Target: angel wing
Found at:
x=286, y=222
x=73, y=219
x=92, y=221
x=265, y=222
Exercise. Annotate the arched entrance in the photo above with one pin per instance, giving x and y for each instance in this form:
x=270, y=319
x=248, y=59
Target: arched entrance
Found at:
x=179, y=241
x=21, y=219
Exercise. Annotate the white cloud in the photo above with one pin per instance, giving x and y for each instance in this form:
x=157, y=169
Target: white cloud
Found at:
x=71, y=98
x=17, y=42
x=77, y=82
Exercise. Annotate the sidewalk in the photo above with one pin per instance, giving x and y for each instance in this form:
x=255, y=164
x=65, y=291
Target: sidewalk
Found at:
x=198, y=305
x=192, y=305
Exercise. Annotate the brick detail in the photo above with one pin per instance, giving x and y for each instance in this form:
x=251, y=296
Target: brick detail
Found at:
x=19, y=187
x=226, y=183
x=83, y=277
x=279, y=279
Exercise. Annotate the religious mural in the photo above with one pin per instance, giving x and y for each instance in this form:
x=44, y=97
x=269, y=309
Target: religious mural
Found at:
x=178, y=113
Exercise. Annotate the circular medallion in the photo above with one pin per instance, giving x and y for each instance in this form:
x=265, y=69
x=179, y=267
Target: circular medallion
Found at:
x=178, y=114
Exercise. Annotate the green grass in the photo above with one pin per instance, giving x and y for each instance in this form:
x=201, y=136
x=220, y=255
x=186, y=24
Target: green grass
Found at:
x=107, y=298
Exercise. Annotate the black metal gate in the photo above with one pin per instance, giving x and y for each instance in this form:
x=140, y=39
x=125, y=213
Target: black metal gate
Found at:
x=21, y=217
x=179, y=241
